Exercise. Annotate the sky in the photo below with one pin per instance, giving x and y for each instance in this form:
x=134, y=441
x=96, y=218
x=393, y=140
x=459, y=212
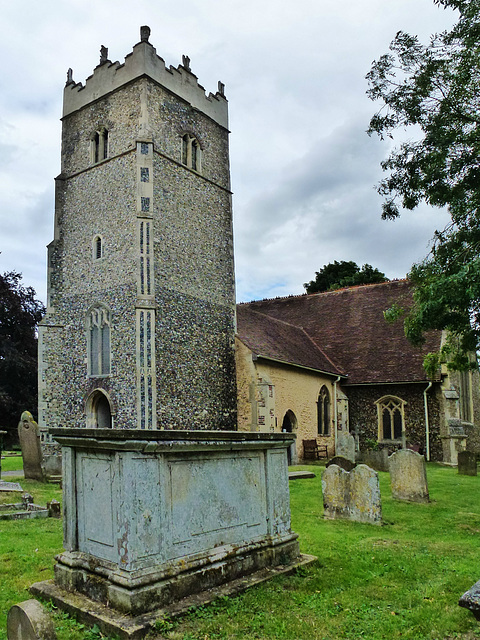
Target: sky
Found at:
x=303, y=169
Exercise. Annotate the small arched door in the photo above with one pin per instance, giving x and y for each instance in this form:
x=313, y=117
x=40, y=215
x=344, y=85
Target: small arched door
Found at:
x=99, y=412
x=289, y=425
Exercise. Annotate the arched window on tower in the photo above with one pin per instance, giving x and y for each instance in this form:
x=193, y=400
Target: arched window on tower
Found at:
x=191, y=152
x=98, y=330
x=323, y=412
x=99, y=146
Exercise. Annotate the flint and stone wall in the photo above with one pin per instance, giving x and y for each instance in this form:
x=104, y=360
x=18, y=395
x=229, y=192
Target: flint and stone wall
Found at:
x=364, y=417
x=142, y=193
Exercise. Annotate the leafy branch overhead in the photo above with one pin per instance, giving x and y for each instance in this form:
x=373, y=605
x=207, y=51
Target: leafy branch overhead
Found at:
x=432, y=92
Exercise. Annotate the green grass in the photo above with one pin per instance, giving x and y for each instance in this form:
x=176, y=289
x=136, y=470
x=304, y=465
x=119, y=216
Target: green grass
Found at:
x=13, y=463
x=401, y=580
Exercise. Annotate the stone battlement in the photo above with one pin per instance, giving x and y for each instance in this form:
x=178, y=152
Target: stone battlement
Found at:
x=143, y=61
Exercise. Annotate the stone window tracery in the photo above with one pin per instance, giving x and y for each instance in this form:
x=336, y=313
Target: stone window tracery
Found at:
x=99, y=145
x=191, y=152
x=391, y=419
x=323, y=412
x=99, y=356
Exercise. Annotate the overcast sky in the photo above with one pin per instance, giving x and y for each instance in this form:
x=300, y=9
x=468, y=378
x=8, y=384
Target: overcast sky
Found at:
x=303, y=168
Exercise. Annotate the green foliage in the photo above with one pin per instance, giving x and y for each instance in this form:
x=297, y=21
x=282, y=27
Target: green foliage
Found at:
x=164, y=624
x=433, y=90
x=392, y=314
x=343, y=274
x=20, y=313
x=371, y=444
x=431, y=364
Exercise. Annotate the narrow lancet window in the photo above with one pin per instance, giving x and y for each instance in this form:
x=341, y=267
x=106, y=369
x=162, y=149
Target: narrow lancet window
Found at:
x=191, y=152
x=99, y=352
x=100, y=145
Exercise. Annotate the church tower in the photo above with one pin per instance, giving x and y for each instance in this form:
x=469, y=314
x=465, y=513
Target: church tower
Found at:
x=139, y=329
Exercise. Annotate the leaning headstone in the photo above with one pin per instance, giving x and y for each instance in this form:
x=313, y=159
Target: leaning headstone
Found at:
x=29, y=620
x=343, y=463
x=29, y=436
x=467, y=463
x=408, y=476
x=353, y=495
x=345, y=446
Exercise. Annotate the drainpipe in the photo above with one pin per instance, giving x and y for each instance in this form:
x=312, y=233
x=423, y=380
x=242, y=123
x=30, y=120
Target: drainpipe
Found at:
x=335, y=421
x=427, y=426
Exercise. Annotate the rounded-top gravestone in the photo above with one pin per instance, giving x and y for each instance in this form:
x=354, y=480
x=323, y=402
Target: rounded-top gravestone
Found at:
x=408, y=476
x=29, y=620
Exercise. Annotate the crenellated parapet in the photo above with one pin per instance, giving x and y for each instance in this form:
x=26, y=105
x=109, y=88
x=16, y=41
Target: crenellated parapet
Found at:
x=143, y=61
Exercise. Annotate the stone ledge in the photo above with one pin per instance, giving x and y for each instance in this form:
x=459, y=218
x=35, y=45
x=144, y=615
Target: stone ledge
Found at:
x=297, y=475
x=135, y=627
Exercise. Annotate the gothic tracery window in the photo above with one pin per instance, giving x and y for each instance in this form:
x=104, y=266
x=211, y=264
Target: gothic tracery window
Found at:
x=323, y=412
x=390, y=418
x=99, y=356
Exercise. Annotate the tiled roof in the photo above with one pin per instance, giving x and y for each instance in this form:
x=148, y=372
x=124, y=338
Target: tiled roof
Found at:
x=277, y=340
x=349, y=328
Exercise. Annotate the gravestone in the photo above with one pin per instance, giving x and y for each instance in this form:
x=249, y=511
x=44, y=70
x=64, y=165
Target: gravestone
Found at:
x=408, y=476
x=353, y=495
x=29, y=620
x=467, y=463
x=343, y=463
x=29, y=436
x=10, y=486
x=345, y=446
x=377, y=460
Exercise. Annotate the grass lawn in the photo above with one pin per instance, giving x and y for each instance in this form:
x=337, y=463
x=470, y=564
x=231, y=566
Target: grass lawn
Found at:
x=12, y=463
x=401, y=580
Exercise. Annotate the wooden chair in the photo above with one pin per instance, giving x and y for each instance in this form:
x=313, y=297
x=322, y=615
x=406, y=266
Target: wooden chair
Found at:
x=314, y=451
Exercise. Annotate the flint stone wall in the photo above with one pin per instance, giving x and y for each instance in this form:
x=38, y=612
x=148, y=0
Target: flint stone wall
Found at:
x=408, y=476
x=353, y=495
x=364, y=419
x=190, y=236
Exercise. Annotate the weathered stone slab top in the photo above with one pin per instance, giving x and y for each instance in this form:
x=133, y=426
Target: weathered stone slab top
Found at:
x=150, y=441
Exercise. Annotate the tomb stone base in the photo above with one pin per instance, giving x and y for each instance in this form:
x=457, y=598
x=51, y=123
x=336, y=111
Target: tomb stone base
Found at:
x=151, y=517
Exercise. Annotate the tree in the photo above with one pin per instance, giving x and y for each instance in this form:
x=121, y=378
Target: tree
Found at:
x=343, y=274
x=20, y=314
x=432, y=92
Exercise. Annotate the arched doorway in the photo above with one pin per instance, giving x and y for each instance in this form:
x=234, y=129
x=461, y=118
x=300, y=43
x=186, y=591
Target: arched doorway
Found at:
x=99, y=412
x=289, y=425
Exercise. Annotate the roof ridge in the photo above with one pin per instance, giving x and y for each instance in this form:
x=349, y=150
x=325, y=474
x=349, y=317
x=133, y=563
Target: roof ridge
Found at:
x=337, y=367
x=322, y=293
